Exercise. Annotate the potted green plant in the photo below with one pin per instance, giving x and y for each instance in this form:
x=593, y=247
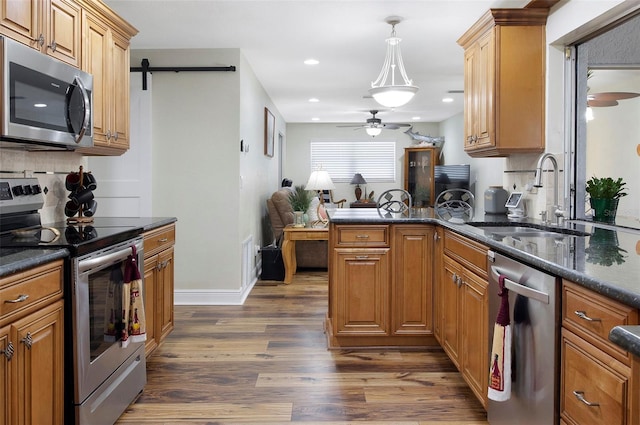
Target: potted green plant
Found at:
x=300, y=200
x=604, y=195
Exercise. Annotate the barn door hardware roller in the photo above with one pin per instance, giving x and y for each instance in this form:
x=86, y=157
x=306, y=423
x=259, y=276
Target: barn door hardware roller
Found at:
x=144, y=68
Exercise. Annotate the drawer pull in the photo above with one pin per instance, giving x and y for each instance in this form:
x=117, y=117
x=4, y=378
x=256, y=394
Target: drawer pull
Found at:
x=8, y=353
x=362, y=257
x=27, y=340
x=362, y=236
x=580, y=396
x=163, y=240
x=583, y=315
x=21, y=298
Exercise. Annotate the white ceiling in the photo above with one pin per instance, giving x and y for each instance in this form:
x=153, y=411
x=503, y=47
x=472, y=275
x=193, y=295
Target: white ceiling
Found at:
x=346, y=36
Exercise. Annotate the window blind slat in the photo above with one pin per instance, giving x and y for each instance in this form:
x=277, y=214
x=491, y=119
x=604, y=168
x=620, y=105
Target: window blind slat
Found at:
x=376, y=161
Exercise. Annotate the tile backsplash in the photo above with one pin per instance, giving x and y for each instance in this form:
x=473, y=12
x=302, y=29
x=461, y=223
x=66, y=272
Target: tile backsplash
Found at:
x=50, y=168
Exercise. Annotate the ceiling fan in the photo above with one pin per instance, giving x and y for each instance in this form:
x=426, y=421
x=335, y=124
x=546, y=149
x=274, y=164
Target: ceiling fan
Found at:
x=374, y=125
x=596, y=100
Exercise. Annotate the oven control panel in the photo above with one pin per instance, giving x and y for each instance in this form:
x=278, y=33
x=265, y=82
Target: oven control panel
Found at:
x=20, y=195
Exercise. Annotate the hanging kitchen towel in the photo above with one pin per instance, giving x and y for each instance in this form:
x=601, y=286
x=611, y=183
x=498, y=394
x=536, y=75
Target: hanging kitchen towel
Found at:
x=500, y=370
x=112, y=318
x=136, y=323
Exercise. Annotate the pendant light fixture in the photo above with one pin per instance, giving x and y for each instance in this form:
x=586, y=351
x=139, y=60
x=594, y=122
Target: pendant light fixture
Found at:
x=385, y=90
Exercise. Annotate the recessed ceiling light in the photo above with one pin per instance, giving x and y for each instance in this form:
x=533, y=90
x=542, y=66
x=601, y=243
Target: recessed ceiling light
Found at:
x=315, y=119
x=311, y=62
x=447, y=99
x=40, y=105
x=314, y=100
x=415, y=118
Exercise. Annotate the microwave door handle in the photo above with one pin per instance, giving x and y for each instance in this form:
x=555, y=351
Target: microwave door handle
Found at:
x=87, y=109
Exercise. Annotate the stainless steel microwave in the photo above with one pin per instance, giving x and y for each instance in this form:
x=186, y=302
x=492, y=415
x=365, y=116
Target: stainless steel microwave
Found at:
x=46, y=104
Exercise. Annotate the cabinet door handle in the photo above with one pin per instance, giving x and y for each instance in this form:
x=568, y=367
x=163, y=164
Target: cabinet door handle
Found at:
x=583, y=315
x=27, y=340
x=362, y=257
x=40, y=40
x=53, y=46
x=362, y=236
x=580, y=396
x=8, y=353
x=163, y=240
x=21, y=298
x=436, y=237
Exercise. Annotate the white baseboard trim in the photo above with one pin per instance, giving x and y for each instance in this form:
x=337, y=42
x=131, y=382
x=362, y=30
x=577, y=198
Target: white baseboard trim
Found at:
x=213, y=297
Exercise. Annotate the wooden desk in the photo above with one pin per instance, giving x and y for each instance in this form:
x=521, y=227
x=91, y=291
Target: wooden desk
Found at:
x=293, y=234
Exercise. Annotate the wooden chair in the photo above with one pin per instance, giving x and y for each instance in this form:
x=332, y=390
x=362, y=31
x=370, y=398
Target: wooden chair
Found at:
x=327, y=197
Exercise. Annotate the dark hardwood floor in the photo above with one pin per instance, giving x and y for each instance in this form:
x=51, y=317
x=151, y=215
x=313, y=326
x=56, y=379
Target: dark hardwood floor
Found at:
x=267, y=362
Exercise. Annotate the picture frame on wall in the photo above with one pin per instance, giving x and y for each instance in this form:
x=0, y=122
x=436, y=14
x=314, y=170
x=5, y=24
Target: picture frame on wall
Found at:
x=269, y=132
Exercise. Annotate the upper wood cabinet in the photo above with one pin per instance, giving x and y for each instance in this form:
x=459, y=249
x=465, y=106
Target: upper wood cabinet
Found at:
x=105, y=54
x=504, y=83
x=51, y=26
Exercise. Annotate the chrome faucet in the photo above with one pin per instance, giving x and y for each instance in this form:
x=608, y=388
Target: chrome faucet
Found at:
x=558, y=212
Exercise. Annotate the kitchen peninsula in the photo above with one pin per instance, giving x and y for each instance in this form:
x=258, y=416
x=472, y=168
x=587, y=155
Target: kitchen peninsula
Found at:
x=390, y=284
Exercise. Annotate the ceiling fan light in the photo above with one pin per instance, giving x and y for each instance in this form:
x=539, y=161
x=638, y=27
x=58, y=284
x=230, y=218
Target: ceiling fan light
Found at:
x=393, y=96
x=373, y=131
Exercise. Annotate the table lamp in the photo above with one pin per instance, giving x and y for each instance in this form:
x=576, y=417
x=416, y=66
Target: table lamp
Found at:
x=320, y=180
x=358, y=180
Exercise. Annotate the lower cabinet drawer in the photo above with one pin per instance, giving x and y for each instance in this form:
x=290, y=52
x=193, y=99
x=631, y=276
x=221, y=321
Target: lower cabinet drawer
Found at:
x=595, y=387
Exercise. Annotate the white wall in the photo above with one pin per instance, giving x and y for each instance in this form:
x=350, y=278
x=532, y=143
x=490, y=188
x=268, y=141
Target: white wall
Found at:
x=200, y=175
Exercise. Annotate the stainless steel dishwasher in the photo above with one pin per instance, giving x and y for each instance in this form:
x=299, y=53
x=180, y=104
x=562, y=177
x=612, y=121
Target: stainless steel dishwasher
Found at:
x=534, y=311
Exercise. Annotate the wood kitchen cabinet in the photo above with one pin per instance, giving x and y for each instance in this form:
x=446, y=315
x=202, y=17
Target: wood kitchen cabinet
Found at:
x=32, y=346
x=412, y=284
x=419, y=178
x=159, y=284
x=593, y=369
x=50, y=26
x=504, y=83
x=360, y=274
x=463, y=305
x=380, y=285
x=105, y=54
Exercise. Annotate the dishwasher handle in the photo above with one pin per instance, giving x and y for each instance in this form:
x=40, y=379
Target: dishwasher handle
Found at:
x=521, y=289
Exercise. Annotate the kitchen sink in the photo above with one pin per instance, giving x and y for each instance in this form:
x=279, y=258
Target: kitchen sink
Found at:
x=533, y=230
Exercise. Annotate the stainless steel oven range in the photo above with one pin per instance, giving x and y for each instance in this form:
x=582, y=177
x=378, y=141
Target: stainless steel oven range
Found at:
x=102, y=375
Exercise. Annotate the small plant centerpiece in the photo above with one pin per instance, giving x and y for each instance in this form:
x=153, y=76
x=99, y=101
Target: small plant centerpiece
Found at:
x=300, y=200
x=604, y=195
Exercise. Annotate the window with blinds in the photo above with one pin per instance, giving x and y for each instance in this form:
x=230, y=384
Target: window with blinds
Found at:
x=374, y=159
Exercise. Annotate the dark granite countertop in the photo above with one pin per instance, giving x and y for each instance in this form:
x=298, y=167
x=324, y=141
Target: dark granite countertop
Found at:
x=14, y=260
x=606, y=261
x=17, y=260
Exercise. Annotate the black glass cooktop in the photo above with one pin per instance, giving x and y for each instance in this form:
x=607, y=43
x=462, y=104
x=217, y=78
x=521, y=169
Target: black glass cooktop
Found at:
x=79, y=238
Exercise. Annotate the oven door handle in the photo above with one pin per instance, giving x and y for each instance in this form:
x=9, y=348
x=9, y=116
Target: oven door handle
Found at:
x=106, y=259
x=543, y=297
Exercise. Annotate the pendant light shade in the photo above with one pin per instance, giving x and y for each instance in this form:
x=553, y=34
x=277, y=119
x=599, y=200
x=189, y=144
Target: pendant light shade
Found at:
x=384, y=89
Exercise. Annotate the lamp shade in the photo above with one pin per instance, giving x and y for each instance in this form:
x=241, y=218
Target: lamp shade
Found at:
x=358, y=179
x=320, y=180
x=393, y=96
